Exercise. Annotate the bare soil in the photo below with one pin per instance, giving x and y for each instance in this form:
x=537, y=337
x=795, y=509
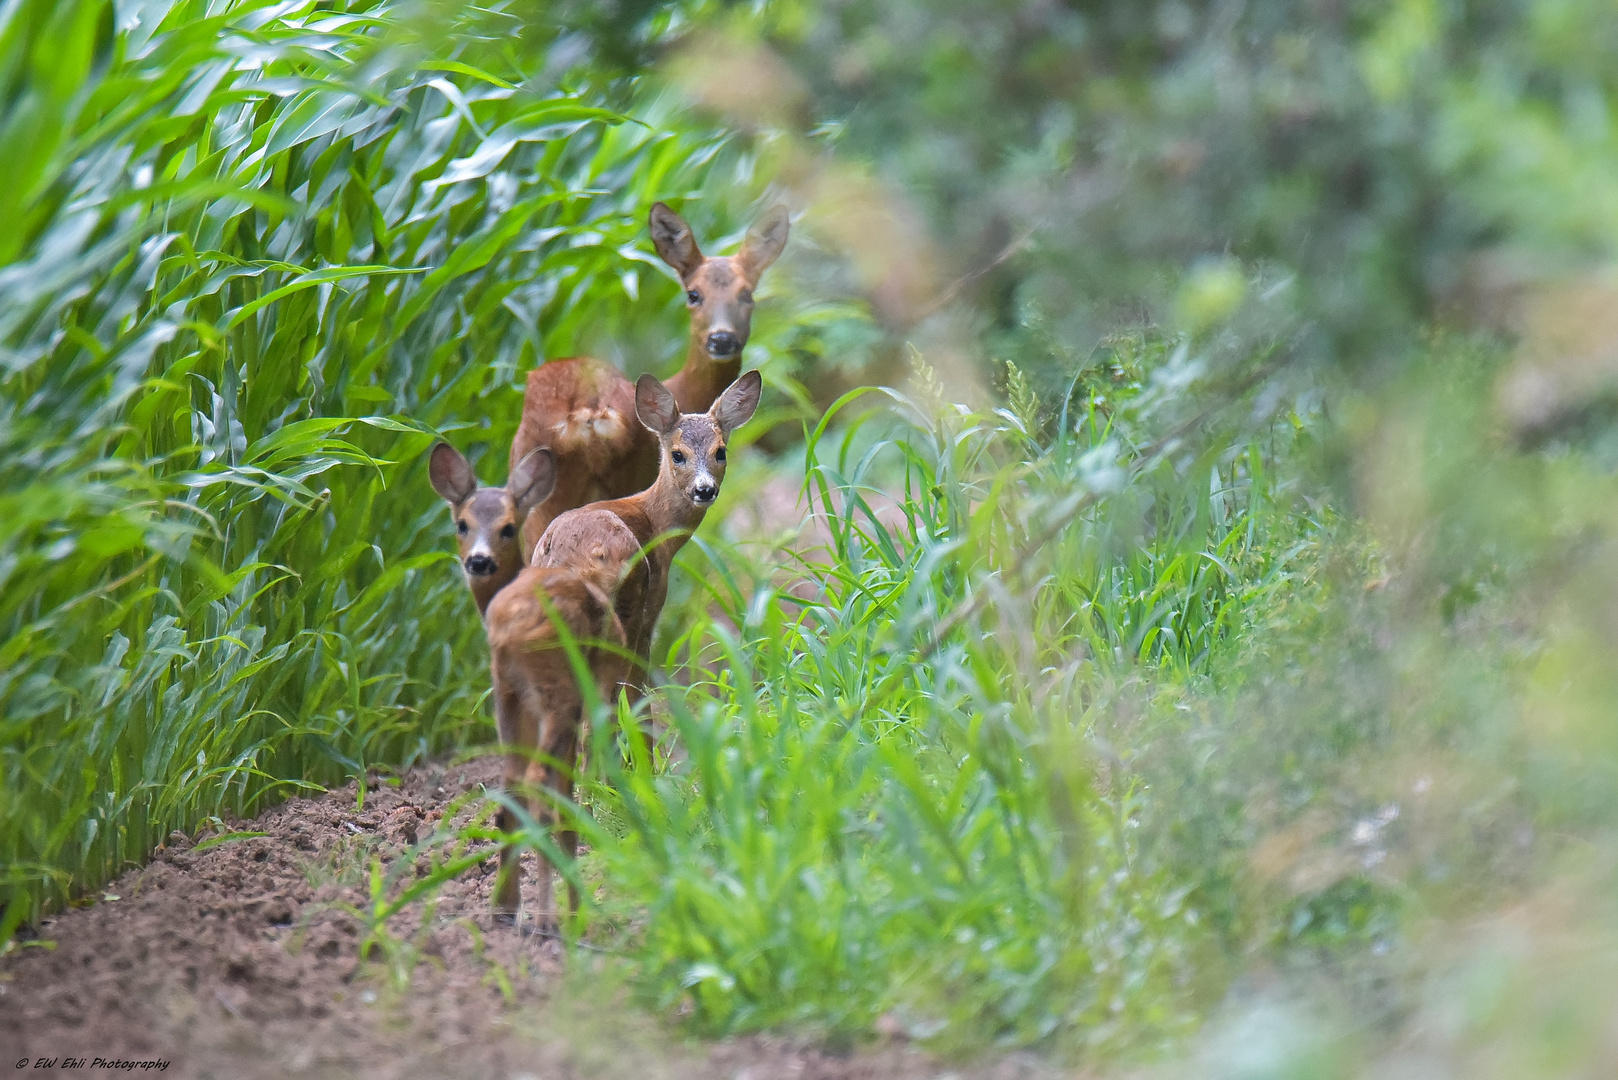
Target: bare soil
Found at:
x=241, y=959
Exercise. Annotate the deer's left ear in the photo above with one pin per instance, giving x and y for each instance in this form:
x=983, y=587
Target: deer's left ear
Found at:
x=764, y=242
x=735, y=406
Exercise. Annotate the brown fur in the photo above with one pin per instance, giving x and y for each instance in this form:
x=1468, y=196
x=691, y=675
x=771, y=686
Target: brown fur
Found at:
x=611, y=536
x=539, y=708
x=584, y=409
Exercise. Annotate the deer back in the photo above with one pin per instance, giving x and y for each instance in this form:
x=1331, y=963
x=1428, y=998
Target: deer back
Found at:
x=605, y=542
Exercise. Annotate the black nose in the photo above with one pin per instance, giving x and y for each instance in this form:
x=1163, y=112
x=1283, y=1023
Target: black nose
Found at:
x=723, y=343
x=480, y=565
x=705, y=493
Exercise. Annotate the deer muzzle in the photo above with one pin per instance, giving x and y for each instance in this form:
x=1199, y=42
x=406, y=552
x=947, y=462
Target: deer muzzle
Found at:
x=724, y=344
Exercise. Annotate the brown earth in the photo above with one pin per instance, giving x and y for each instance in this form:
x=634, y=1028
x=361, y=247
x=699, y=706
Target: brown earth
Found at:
x=240, y=959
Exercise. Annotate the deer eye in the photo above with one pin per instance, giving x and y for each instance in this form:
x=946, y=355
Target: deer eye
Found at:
x=460, y=527
x=508, y=531
x=747, y=296
x=678, y=457
x=693, y=297
x=719, y=454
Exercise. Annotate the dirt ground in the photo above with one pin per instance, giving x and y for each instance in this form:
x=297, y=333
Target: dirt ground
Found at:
x=238, y=959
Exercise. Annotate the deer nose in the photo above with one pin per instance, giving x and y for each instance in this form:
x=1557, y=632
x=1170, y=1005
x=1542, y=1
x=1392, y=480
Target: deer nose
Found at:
x=480, y=566
x=723, y=343
x=704, y=493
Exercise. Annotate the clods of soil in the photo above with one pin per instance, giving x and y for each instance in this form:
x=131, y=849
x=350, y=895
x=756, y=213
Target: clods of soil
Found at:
x=237, y=955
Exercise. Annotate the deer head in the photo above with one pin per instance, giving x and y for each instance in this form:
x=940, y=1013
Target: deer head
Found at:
x=488, y=519
x=693, y=444
x=719, y=290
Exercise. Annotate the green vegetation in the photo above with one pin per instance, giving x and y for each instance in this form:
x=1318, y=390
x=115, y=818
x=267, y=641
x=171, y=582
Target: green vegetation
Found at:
x=888, y=800
x=255, y=282
x=1202, y=650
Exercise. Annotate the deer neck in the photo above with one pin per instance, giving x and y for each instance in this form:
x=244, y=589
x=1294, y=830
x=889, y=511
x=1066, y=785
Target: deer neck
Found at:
x=669, y=511
x=698, y=384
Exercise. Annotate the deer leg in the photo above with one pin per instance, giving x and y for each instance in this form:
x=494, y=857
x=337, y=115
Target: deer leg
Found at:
x=509, y=723
x=568, y=839
x=614, y=674
x=622, y=669
x=508, y=880
x=554, y=771
x=544, y=813
x=633, y=688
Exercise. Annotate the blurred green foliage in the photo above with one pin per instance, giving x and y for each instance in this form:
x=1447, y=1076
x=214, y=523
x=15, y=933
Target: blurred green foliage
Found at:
x=1318, y=175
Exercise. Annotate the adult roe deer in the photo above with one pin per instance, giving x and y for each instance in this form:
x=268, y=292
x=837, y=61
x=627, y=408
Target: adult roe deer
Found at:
x=584, y=409
x=538, y=705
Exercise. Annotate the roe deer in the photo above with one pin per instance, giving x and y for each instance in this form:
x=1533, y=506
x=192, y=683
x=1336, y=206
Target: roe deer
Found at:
x=537, y=701
x=487, y=520
x=633, y=541
x=583, y=409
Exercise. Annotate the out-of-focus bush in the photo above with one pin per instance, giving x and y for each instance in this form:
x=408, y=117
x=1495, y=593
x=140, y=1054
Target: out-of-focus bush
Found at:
x=1315, y=178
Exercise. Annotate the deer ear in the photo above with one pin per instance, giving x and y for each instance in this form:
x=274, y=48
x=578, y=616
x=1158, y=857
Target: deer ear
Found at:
x=450, y=474
x=655, y=405
x=674, y=242
x=531, y=481
x=735, y=406
x=764, y=242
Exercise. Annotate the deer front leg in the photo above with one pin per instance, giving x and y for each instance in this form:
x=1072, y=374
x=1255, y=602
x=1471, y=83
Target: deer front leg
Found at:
x=631, y=680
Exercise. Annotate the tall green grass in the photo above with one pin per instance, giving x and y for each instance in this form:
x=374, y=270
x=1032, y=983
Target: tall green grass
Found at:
x=259, y=255
x=891, y=792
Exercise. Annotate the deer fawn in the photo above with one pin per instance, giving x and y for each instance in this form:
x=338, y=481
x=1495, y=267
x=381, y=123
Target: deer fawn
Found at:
x=583, y=409
x=487, y=520
x=653, y=525
x=537, y=701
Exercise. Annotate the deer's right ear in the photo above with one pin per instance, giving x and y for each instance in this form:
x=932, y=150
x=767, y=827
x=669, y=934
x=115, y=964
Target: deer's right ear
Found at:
x=531, y=481
x=655, y=405
x=672, y=238
x=451, y=474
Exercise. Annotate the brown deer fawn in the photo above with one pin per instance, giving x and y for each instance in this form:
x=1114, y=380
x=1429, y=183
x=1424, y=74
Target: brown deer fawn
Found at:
x=653, y=525
x=537, y=701
x=584, y=409
x=488, y=520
